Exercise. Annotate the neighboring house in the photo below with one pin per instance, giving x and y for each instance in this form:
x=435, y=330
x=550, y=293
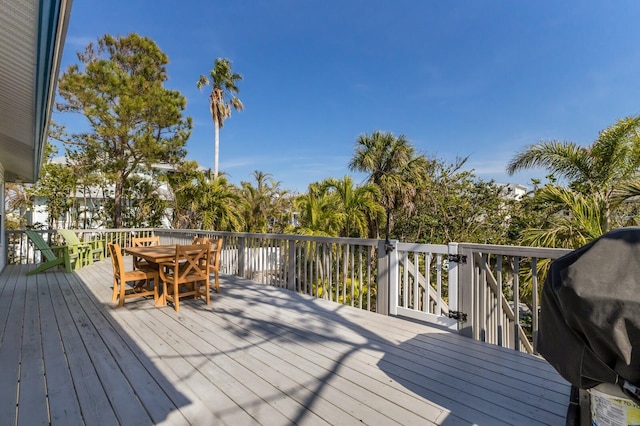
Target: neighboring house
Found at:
x=32, y=35
x=513, y=190
x=91, y=201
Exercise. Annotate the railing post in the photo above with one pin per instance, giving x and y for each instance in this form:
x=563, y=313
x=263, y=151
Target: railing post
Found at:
x=291, y=267
x=387, y=279
x=241, y=257
x=465, y=291
x=454, y=279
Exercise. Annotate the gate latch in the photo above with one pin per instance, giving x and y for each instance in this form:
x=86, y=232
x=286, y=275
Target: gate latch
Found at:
x=457, y=315
x=458, y=258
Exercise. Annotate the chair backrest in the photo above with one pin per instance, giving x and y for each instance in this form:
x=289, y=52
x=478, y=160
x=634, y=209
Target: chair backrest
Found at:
x=69, y=237
x=116, y=260
x=214, y=257
x=41, y=245
x=145, y=241
x=201, y=240
x=193, y=262
x=216, y=248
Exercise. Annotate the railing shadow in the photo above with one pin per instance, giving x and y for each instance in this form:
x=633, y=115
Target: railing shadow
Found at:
x=308, y=348
x=421, y=368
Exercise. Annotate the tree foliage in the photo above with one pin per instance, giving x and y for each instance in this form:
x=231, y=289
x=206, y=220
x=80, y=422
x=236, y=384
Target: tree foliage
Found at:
x=394, y=167
x=353, y=207
x=134, y=121
x=601, y=179
x=200, y=201
x=55, y=186
x=453, y=205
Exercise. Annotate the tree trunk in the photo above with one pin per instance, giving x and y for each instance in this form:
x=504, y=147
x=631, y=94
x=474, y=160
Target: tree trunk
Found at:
x=216, y=131
x=117, y=211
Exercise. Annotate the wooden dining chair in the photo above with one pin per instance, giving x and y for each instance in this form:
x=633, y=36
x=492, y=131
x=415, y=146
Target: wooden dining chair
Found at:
x=214, y=260
x=183, y=275
x=121, y=277
x=139, y=263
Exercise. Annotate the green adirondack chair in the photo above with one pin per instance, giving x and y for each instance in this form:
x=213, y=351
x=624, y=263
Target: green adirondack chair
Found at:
x=89, y=251
x=52, y=255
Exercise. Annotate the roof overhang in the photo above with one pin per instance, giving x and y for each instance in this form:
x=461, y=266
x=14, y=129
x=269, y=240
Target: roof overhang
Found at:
x=32, y=34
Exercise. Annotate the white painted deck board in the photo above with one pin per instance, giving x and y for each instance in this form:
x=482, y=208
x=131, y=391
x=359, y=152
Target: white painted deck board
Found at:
x=256, y=355
x=407, y=370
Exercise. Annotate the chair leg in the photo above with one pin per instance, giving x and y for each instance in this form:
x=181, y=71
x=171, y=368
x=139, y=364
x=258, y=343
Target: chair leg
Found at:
x=217, y=282
x=155, y=290
x=122, y=294
x=163, y=300
x=115, y=290
x=176, y=297
x=207, y=289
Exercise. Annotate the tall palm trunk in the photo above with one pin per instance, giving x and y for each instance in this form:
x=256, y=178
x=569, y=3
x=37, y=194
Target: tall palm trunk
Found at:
x=216, y=148
x=216, y=135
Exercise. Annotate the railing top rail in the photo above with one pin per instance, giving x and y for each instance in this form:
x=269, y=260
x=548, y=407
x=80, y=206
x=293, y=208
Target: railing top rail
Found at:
x=522, y=251
x=114, y=230
x=423, y=248
x=290, y=237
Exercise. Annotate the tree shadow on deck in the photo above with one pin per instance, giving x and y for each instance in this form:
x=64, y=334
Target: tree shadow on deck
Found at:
x=478, y=382
x=396, y=373
x=424, y=375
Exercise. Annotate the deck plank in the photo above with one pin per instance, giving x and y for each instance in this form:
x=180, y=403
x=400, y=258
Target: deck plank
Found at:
x=421, y=371
x=64, y=407
x=32, y=395
x=334, y=344
x=12, y=306
x=173, y=363
x=94, y=402
x=309, y=369
x=256, y=355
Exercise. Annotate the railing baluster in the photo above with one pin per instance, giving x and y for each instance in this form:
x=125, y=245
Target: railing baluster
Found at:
x=360, y=277
x=516, y=302
x=534, y=302
x=499, y=314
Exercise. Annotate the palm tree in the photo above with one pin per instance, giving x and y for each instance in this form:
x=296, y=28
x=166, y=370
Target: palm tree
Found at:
x=316, y=209
x=221, y=205
x=394, y=167
x=577, y=219
x=600, y=178
x=263, y=202
x=202, y=202
x=222, y=98
x=355, y=206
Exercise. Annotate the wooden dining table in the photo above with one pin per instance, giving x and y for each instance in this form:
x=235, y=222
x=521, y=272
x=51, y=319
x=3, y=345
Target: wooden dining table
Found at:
x=155, y=254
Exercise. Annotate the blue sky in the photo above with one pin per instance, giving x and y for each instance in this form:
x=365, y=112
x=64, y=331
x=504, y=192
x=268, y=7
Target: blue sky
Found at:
x=477, y=78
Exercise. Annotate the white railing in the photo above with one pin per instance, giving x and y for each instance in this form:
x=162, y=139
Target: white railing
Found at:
x=491, y=281
x=473, y=288
x=337, y=269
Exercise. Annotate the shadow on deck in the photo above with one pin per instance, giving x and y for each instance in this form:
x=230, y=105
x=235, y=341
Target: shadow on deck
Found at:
x=256, y=355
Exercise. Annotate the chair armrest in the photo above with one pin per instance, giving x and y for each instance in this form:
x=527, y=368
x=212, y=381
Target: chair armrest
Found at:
x=97, y=243
x=60, y=249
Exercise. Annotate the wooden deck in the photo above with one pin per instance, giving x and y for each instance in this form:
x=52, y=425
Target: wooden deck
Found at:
x=256, y=355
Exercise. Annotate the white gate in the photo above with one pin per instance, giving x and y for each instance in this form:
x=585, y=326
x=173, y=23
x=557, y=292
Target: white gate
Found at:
x=423, y=283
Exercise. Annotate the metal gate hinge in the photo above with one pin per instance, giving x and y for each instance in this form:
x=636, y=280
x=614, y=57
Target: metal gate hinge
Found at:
x=458, y=258
x=457, y=315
